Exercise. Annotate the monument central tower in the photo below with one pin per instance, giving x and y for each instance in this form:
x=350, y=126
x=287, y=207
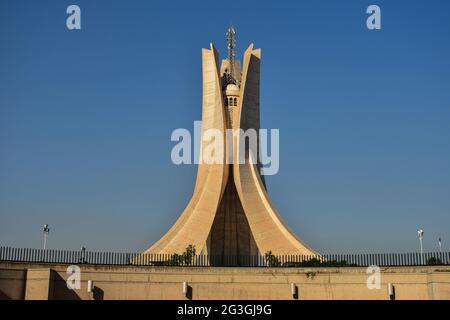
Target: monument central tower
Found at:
x=230, y=213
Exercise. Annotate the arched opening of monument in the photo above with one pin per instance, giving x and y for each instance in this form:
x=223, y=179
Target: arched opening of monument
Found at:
x=231, y=241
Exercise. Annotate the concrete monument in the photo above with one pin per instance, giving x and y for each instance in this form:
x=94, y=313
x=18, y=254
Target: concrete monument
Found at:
x=230, y=212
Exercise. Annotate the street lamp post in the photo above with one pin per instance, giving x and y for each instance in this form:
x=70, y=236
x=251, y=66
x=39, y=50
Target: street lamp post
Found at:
x=83, y=255
x=45, y=231
x=440, y=245
x=420, y=234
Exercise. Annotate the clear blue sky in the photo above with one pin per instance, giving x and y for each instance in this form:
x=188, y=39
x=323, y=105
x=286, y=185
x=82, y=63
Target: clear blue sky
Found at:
x=86, y=118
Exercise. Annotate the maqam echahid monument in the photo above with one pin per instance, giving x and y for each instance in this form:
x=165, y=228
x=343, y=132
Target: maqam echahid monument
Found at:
x=230, y=212
x=230, y=215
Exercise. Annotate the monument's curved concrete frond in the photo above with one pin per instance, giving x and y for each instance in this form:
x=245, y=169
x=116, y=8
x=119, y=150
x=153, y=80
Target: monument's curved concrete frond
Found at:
x=194, y=224
x=268, y=228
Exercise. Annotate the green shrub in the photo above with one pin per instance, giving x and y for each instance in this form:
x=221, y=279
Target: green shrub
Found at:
x=271, y=260
x=433, y=261
x=184, y=259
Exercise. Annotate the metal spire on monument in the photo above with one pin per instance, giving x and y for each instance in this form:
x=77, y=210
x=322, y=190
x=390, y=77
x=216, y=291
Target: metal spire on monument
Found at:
x=231, y=41
x=231, y=46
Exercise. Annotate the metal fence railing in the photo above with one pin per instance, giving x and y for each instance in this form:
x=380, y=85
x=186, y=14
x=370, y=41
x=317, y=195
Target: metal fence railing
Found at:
x=267, y=260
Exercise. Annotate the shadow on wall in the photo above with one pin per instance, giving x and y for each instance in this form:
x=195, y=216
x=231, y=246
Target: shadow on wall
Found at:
x=98, y=293
x=189, y=292
x=60, y=290
x=3, y=296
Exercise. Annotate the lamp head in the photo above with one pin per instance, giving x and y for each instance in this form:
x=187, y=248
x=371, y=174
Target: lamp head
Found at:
x=420, y=233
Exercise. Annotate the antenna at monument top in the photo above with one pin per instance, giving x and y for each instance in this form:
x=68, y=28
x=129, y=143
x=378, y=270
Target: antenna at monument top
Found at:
x=231, y=40
x=231, y=45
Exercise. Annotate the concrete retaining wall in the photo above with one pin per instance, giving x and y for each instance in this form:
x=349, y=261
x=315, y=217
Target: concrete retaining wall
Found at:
x=48, y=281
